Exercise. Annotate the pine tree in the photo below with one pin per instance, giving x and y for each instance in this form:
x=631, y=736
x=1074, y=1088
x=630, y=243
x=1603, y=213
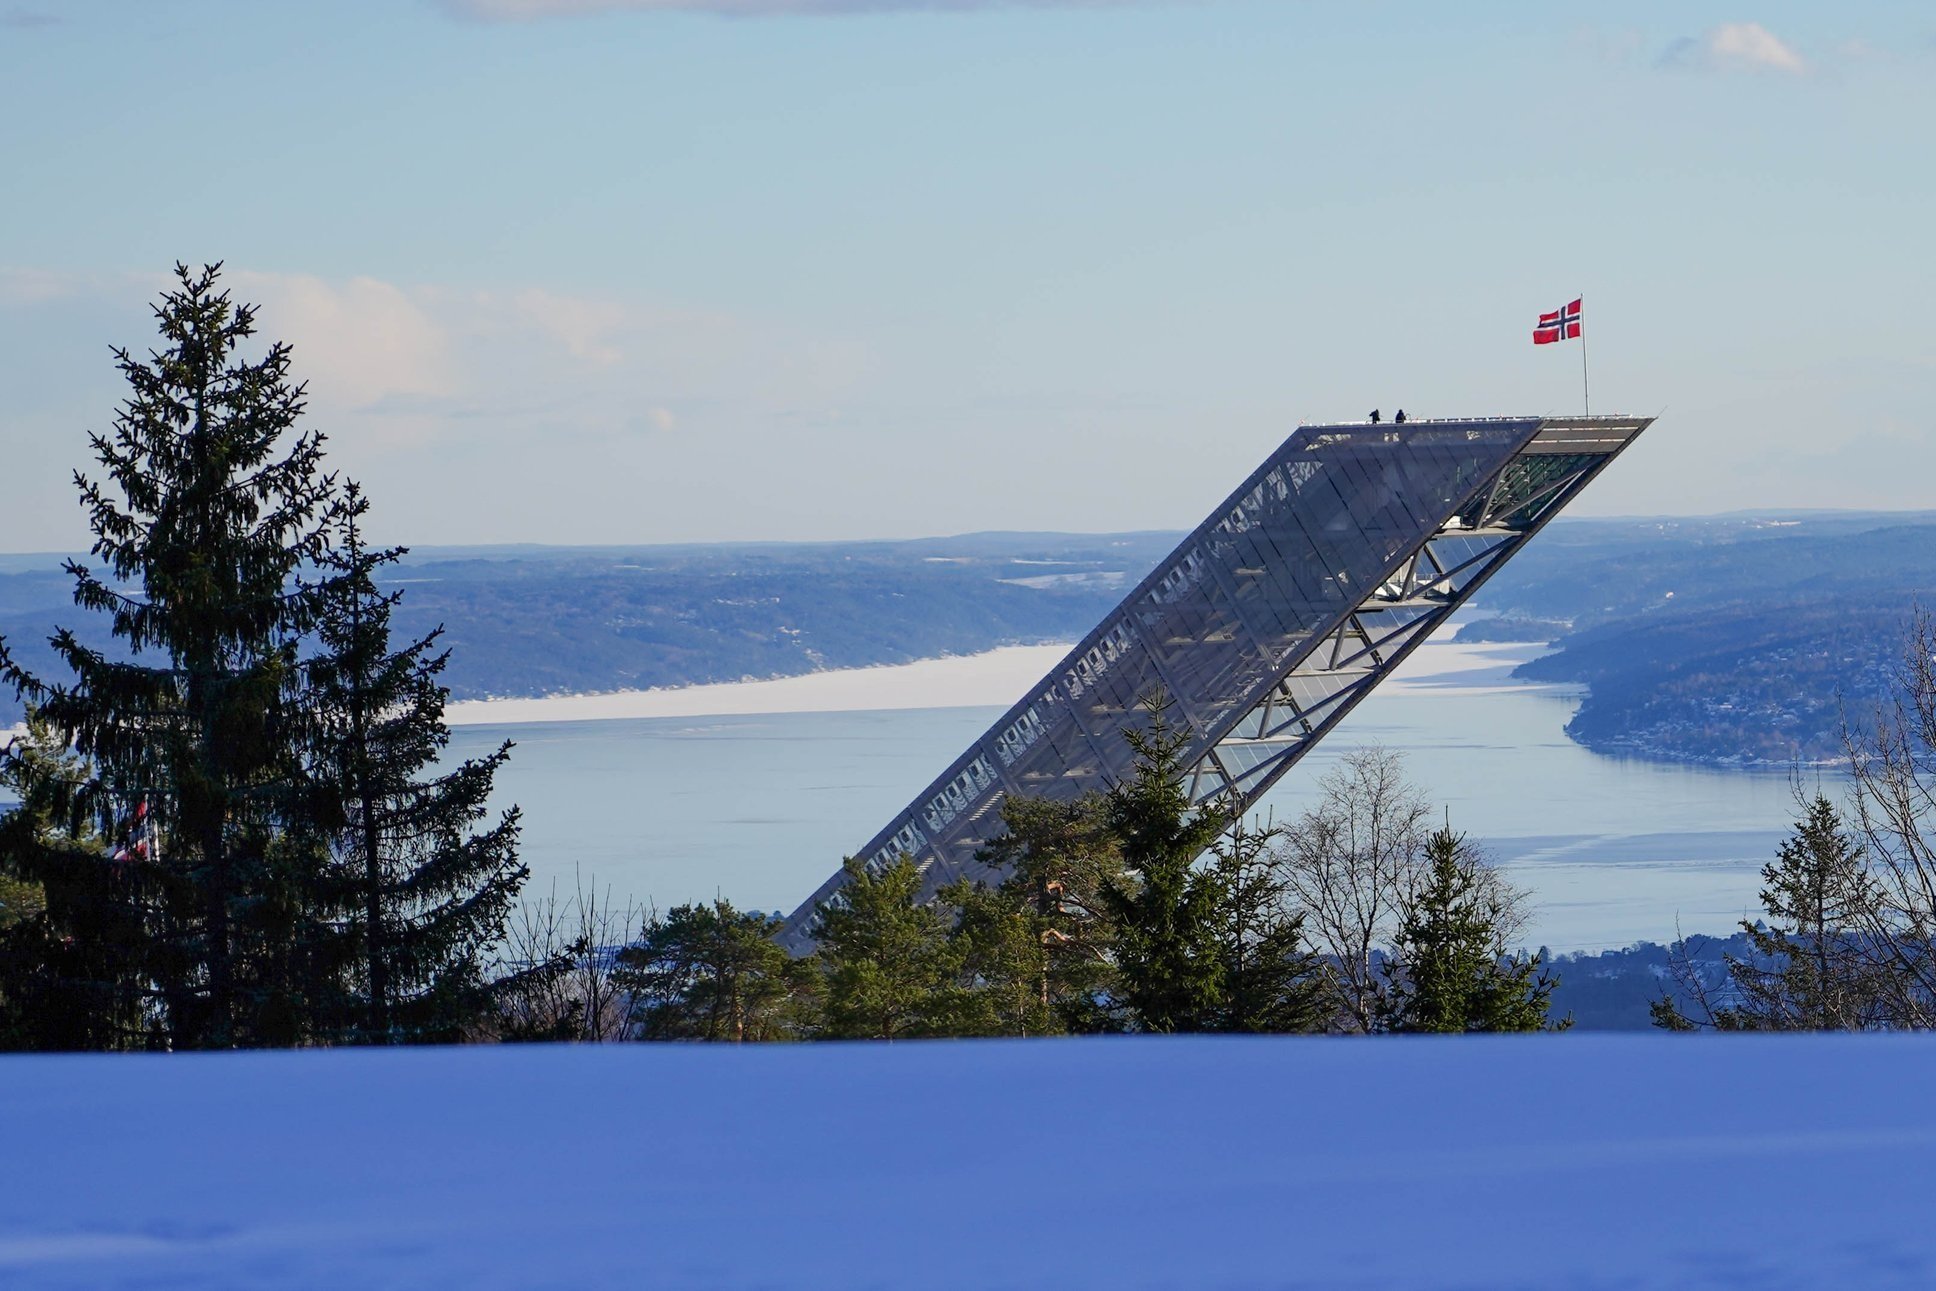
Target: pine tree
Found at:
x=1041, y=943
x=888, y=966
x=424, y=891
x=1449, y=971
x=1166, y=914
x=1003, y=962
x=1271, y=981
x=210, y=505
x=712, y=972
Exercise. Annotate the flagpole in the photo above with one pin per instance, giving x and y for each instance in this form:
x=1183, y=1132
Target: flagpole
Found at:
x=1586, y=389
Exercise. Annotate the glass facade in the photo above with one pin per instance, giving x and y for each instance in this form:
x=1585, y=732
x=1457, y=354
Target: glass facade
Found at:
x=1268, y=622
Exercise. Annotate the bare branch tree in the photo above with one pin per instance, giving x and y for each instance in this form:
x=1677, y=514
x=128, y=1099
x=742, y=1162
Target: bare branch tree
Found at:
x=558, y=966
x=1894, y=769
x=1355, y=863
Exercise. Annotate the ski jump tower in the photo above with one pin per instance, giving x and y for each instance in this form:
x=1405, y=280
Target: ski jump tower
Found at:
x=1299, y=594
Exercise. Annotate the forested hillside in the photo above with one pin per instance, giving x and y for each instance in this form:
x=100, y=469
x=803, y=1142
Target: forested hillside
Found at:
x=1725, y=639
x=538, y=620
x=1722, y=639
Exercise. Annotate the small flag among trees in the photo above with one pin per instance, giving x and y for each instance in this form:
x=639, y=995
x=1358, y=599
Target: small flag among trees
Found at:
x=134, y=844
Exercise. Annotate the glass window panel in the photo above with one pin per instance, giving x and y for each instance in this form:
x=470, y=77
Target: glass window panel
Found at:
x=1271, y=606
x=1282, y=560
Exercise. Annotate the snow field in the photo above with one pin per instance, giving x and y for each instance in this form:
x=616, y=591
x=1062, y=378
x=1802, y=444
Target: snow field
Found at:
x=1570, y=1161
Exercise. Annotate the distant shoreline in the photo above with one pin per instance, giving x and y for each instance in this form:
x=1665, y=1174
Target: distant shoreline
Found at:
x=992, y=679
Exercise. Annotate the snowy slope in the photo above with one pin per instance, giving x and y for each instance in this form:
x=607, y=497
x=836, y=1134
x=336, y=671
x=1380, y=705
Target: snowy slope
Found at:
x=1571, y=1161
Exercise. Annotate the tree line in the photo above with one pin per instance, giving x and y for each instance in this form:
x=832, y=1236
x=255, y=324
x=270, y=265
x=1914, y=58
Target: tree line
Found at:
x=1126, y=911
x=236, y=828
x=1846, y=938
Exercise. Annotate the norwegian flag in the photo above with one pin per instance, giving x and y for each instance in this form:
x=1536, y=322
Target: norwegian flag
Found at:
x=1562, y=324
x=134, y=844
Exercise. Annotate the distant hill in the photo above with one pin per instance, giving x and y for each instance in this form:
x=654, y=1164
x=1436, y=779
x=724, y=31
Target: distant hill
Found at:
x=1728, y=639
x=1613, y=990
x=540, y=621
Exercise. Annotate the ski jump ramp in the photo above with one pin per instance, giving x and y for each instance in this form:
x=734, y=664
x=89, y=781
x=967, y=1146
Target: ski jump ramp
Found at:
x=1301, y=592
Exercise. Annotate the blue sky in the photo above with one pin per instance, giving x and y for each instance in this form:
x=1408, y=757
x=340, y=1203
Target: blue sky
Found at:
x=575, y=271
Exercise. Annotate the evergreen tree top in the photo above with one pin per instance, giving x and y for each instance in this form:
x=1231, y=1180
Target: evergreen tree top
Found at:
x=210, y=498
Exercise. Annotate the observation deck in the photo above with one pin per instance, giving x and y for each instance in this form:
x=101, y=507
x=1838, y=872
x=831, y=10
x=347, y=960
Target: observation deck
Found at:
x=1302, y=591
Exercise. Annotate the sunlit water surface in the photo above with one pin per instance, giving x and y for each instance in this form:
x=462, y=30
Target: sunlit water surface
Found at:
x=761, y=809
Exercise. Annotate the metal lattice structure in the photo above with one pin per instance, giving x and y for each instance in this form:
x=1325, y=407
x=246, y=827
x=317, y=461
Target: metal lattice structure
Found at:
x=1267, y=624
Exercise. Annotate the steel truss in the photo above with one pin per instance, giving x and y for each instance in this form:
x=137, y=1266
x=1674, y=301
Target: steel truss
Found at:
x=1269, y=623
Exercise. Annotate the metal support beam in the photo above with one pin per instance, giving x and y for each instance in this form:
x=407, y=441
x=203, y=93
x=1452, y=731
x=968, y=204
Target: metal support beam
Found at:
x=1243, y=625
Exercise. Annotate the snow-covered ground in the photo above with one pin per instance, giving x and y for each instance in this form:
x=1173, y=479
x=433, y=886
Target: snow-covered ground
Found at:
x=992, y=679
x=1571, y=1161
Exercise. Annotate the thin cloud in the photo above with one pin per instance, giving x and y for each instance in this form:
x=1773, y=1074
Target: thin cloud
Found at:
x=528, y=10
x=587, y=327
x=358, y=342
x=27, y=19
x=1735, y=46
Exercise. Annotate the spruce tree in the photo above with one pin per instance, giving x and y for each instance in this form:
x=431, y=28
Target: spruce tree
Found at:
x=1810, y=972
x=712, y=972
x=1449, y=970
x=210, y=503
x=1165, y=913
x=1270, y=979
x=30, y=763
x=423, y=884
x=1815, y=964
x=70, y=938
